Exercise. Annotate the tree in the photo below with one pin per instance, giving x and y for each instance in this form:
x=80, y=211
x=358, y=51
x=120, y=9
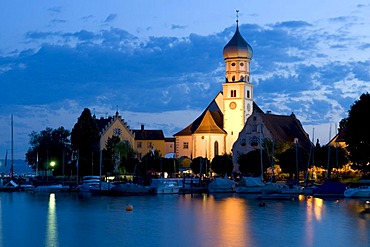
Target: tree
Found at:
x=250, y=163
x=200, y=165
x=49, y=145
x=357, y=133
x=85, y=140
x=222, y=164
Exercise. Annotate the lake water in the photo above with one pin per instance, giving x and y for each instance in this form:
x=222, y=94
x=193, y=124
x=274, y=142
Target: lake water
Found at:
x=175, y=220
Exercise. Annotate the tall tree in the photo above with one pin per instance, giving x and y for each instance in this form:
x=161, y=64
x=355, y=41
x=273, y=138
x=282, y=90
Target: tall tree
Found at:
x=222, y=164
x=47, y=146
x=357, y=133
x=250, y=163
x=85, y=140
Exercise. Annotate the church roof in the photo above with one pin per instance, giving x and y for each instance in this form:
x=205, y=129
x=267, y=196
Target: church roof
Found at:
x=237, y=47
x=210, y=121
x=286, y=129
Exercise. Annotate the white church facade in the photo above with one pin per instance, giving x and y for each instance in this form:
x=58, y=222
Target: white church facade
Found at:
x=217, y=128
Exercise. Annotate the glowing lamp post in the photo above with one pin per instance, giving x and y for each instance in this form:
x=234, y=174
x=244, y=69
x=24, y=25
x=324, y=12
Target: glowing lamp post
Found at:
x=52, y=164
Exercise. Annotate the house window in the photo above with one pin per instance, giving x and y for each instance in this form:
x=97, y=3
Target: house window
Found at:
x=216, y=148
x=149, y=145
x=186, y=145
x=233, y=93
x=139, y=145
x=254, y=127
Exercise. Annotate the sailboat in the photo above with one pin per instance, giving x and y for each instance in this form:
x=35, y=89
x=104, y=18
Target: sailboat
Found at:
x=11, y=185
x=330, y=187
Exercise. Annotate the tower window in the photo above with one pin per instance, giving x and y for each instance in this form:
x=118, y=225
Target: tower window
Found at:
x=241, y=64
x=248, y=94
x=233, y=64
x=233, y=93
x=233, y=78
x=241, y=78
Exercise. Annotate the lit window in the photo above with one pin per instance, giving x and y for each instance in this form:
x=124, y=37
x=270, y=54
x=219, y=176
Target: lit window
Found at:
x=149, y=145
x=139, y=145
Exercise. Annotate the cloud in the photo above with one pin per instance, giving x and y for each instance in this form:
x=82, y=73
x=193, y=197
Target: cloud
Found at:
x=173, y=27
x=166, y=82
x=110, y=18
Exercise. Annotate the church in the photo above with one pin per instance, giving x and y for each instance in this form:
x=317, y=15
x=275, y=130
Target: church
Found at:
x=233, y=123
x=217, y=128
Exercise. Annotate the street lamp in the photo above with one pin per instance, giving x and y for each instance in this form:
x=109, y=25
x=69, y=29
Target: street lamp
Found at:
x=52, y=164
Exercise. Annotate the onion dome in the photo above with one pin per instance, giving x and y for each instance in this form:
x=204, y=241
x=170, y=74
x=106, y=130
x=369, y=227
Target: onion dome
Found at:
x=237, y=47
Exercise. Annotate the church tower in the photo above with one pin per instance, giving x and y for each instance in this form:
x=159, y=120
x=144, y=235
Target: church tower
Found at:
x=237, y=88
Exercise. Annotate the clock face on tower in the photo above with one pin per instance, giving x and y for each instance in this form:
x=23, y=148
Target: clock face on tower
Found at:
x=248, y=107
x=232, y=105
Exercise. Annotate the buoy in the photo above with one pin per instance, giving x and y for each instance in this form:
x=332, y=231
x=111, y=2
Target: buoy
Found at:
x=129, y=207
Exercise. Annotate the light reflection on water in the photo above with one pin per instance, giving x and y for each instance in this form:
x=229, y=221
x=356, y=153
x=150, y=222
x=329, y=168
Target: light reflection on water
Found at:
x=52, y=228
x=176, y=220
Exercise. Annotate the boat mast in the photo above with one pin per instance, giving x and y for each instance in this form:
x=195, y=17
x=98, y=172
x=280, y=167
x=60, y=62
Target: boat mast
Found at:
x=12, y=149
x=328, y=165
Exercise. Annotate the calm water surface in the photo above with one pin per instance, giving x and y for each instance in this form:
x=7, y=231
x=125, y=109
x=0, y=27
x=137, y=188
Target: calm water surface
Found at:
x=177, y=220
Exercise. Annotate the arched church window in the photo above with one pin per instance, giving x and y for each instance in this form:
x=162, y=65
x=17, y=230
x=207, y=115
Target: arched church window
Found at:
x=241, y=78
x=216, y=148
x=233, y=78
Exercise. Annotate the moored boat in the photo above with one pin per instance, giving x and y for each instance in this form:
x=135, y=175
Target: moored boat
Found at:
x=360, y=192
x=330, y=189
x=166, y=185
x=221, y=185
x=250, y=185
x=52, y=188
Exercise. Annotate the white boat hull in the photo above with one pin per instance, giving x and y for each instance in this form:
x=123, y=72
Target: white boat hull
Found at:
x=361, y=192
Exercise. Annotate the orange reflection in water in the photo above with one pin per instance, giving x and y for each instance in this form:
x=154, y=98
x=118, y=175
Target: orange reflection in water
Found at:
x=227, y=220
x=314, y=207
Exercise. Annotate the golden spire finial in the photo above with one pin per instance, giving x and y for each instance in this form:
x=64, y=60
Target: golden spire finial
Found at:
x=237, y=16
